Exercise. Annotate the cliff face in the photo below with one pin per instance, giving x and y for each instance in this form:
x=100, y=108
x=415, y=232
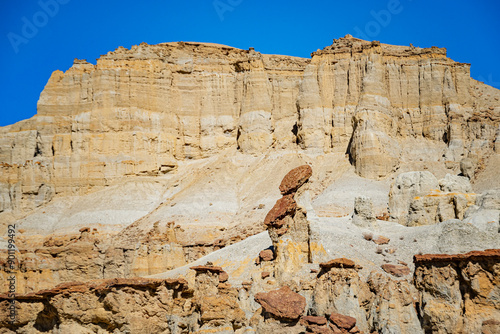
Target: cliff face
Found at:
x=375, y=98
x=141, y=111
x=160, y=155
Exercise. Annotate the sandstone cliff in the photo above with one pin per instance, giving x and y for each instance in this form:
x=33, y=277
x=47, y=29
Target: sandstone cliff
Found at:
x=144, y=110
x=160, y=155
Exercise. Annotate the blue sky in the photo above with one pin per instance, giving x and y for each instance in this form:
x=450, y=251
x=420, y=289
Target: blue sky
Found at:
x=39, y=37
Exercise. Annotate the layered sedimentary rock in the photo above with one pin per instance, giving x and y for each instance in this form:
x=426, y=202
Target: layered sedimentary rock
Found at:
x=141, y=111
x=371, y=99
x=286, y=292
x=459, y=293
x=161, y=154
x=418, y=198
x=448, y=294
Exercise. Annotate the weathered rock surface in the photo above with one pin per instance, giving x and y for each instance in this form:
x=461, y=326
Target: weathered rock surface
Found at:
x=363, y=212
x=337, y=263
x=418, y=198
x=282, y=303
x=193, y=100
x=405, y=188
x=266, y=255
x=288, y=226
x=161, y=154
x=295, y=178
x=458, y=293
x=451, y=294
x=397, y=270
x=342, y=321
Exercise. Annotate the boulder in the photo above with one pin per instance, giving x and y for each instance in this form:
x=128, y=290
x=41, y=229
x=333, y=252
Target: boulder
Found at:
x=343, y=321
x=282, y=303
x=286, y=205
x=381, y=240
x=397, y=270
x=295, y=178
x=405, y=187
x=454, y=183
x=489, y=200
x=468, y=167
x=363, y=212
x=417, y=198
x=315, y=324
x=266, y=255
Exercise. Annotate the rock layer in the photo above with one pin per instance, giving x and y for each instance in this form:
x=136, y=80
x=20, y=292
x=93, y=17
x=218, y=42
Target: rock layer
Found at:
x=160, y=154
x=140, y=111
x=458, y=293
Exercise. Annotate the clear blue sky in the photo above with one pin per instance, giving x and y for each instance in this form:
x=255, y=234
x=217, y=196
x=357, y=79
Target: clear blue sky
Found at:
x=38, y=37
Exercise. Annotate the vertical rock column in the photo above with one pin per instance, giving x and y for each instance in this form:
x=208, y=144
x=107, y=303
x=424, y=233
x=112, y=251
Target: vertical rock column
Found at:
x=287, y=224
x=373, y=150
x=255, y=131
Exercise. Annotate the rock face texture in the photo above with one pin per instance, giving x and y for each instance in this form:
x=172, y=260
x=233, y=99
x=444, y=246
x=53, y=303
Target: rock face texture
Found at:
x=164, y=155
x=363, y=212
x=141, y=111
x=448, y=293
x=418, y=198
x=282, y=303
x=459, y=293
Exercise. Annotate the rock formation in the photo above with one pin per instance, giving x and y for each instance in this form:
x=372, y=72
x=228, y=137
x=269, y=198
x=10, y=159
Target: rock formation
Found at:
x=418, y=198
x=287, y=224
x=164, y=180
x=282, y=303
x=459, y=293
x=363, y=212
x=448, y=293
x=141, y=111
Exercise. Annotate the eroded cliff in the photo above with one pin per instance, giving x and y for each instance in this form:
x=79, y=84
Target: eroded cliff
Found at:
x=160, y=155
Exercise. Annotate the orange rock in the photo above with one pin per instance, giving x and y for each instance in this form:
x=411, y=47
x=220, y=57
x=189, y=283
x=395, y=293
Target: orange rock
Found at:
x=266, y=255
x=381, y=240
x=282, y=303
x=343, y=321
x=397, y=270
x=223, y=276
